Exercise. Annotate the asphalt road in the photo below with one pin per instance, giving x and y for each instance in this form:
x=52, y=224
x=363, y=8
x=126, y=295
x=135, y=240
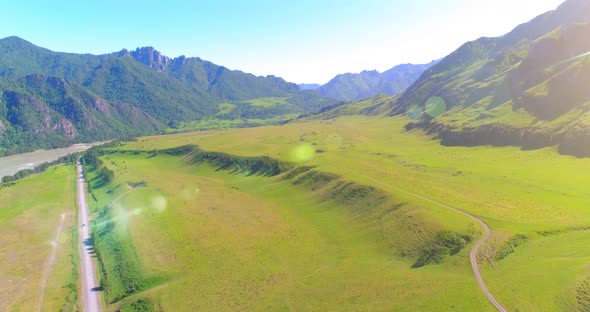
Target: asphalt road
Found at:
x=90, y=293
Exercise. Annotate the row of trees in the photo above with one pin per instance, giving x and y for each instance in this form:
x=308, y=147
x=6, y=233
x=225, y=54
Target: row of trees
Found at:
x=68, y=159
x=92, y=162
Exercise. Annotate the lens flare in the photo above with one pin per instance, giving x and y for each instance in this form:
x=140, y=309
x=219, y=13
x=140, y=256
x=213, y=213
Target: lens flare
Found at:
x=303, y=153
x=575, y=58
x=435, y=106
x=159, y=203
x=121, y=218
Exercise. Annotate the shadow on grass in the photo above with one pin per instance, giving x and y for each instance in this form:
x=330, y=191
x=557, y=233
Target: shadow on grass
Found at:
x=98, y=182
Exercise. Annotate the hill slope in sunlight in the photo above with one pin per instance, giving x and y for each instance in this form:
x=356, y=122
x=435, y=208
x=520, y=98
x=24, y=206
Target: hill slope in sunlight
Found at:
x=527, y=88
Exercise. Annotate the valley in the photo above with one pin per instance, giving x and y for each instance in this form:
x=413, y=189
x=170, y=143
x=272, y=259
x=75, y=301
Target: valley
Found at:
x=459, y=184
x=502, y=193
x=305, y=227
x=301, y=251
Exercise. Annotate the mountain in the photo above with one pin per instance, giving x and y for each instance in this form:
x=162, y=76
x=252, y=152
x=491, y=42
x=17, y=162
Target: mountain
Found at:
x=528, y=88
x=140, y=92
x=353, y=87
x=48, y=111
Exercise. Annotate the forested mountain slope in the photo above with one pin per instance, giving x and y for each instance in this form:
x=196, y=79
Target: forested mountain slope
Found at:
x=52, y=99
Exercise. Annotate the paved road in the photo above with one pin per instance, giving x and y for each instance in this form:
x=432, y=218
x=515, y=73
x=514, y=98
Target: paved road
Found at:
x=90, y=300
x=474, y=251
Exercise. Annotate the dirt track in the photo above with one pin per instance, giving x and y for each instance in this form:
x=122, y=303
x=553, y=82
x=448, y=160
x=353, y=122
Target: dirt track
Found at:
x=473, y=254
x=48, y=267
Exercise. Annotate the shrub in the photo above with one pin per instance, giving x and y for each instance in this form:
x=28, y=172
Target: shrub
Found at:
x=510, y=246
x=445, y=244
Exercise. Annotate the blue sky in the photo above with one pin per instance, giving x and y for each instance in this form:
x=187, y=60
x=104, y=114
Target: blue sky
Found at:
x=301, y=41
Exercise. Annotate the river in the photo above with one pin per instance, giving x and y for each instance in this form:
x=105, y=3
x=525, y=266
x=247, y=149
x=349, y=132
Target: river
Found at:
x=12, y=164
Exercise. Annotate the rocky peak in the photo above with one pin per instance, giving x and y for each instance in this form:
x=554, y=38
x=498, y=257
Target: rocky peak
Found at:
x=373, y=73
x=124, y=52
x=151, y=57
x=2, y=126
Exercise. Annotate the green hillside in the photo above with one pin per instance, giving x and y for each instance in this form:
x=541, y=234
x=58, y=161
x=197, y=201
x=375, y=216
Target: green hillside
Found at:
x=38, y=111
x=53, y=99
x=527, y=88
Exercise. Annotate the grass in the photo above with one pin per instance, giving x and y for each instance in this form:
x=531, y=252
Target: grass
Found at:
x=30, y=211
x=253, y=242
x=516, y=192
x=268, y=102
x=219, y=124
x=561, y=263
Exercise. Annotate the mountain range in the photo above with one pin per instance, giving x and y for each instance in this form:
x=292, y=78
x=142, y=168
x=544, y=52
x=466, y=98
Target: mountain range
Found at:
x=50, y=99
x=368, y=83
x=528, y=88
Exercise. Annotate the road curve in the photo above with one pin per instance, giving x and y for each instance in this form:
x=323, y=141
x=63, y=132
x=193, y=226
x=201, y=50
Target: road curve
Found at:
x=90, y=300
x=474, y=251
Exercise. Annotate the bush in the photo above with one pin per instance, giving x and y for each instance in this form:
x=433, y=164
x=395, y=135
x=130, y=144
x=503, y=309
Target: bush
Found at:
x=445, y=244
x=510, y=246
x=107, y=175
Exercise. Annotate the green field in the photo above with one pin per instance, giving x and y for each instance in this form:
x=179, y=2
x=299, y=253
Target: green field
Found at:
x=245, y=114
x=220, y=124
x=539, y=194
x=30, y=216
x=267, y=243
x=334, y=227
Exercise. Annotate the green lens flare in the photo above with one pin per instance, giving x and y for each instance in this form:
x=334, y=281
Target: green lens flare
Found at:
x=435, y=106
x=575, y=58
x=303, y=153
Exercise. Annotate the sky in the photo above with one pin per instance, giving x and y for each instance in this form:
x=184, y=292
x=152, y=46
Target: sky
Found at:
x=303, y=41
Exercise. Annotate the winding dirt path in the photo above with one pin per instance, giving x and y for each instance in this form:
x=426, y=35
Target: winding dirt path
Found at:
x=473, y=254
x=89, y=294
x=48, y=267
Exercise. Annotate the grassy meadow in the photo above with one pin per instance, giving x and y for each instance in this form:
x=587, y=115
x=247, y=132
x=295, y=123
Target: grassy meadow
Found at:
x=199, y=238
x=30, y=216
x=538, y=194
